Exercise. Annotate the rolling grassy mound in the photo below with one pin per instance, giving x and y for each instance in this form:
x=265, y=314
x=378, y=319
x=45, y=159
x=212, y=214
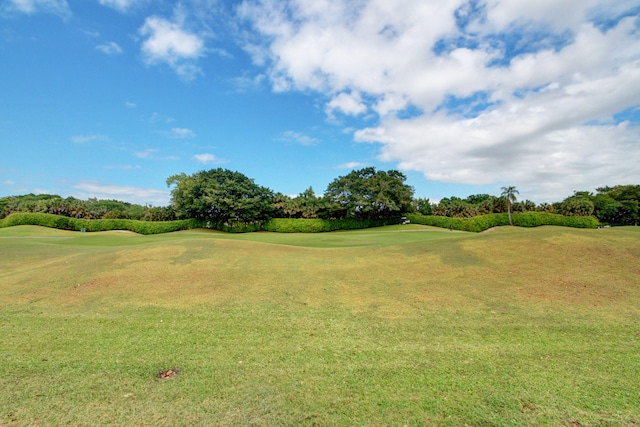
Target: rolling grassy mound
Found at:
x=388, y=326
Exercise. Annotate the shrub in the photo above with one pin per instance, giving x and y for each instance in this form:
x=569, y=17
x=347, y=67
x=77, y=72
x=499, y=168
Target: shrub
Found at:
x=238, y=227
x=66, y=223
x=484, y=222
x=297, y=225
x=303, y=225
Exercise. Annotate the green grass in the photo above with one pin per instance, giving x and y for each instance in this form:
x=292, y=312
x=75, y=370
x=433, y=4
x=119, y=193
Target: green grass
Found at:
x=390, y=326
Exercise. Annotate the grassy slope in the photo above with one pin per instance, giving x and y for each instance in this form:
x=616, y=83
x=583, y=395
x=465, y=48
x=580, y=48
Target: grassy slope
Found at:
x=399, y=325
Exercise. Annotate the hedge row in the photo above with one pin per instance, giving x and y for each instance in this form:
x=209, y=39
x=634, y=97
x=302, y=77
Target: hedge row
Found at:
x=303, y=225
x=278, y=225
x=484, y=222
x=66, y=223
x=298, y=225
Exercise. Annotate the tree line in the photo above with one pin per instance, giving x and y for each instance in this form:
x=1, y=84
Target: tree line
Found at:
x=224, y=197
x=618, y=205
x=221, y=196
x=83, y=209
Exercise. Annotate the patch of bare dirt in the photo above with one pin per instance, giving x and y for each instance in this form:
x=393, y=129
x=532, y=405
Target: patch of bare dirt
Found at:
x=167, y=374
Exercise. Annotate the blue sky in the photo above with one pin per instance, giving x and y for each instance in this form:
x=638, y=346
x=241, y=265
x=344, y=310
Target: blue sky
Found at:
x=108, y=98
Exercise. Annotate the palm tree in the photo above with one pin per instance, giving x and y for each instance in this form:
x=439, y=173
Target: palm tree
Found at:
x=509, y=193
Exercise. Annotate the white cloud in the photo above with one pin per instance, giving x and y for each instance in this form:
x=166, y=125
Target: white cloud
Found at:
x=181, y=133
x=346, y=103
x=56, y=7
x=566, y=13
x=160, y=118
x=90, y=33
x=130, y=104
x=247, y=82
x=123, y=167
x=152, y=154
x=122, y=193
x=206, y=158
x=8, y=182
x=297, y=138
x=469, y=92
x=83, y=139
x=146, y=154
x=109, y=48
x=351, y=165
x=121, y=5
x=167, y=42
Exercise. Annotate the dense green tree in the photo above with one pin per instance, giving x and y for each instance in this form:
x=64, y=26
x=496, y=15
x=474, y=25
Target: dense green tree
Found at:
x=159, y=213
x=606, y=208
x=479, y=204
x=281, y=205
x=476, y=199
x=545, y=207
x=509, y=194
x=70, y=206
x=304, y=205
x=422, y=206
x=369, y=194
x=307, y=204
x=619, y=204
x=455, y=207
x=579, y=204
x=483, y=203
x=220, y=196
x=525, y=206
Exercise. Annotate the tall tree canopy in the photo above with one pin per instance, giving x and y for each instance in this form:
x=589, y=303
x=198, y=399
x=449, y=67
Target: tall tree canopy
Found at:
x=370, y=194
x=220, y=196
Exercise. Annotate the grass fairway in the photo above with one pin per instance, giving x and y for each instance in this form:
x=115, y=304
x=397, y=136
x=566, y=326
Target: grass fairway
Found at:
x=391, y=326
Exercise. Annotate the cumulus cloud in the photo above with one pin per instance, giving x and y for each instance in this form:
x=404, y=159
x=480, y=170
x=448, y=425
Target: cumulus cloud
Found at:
x=206, y=158
x=181, y=133
x=121, y=5
x=123, y=193
x=109, y=48
x=346, y=103
x=470, y=92
x=83, y=139
x=169, y=43
x=56, y=7
x=297, y=138
x=351, y=165
x=247, y=82
x=146, y=154
x=152, y=154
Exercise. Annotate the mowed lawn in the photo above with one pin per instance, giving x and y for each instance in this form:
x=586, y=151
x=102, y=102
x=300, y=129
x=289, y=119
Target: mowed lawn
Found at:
x=403, y=325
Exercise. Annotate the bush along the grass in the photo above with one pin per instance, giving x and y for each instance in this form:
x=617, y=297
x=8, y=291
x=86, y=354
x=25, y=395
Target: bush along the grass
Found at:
x=278, y=225
x=304, y=225
x=236, y=227
x=534, y=219
x=484, y=222
x=66, y=223
x=475, y=224
x=298, y=225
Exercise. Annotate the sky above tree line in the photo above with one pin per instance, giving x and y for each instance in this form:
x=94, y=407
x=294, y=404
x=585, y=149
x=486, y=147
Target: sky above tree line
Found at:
x=108, y=98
